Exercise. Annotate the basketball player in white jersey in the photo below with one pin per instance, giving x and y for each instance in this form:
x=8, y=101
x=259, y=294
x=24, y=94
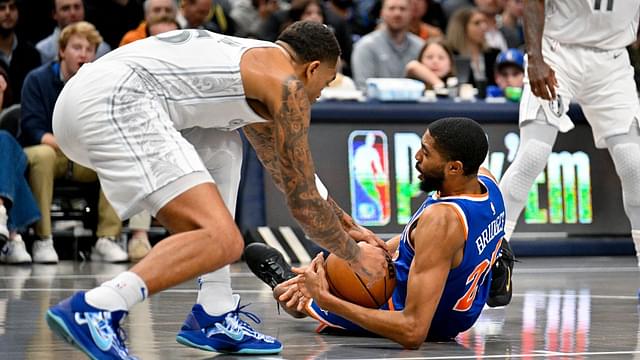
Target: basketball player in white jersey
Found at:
x=576, y=51
x=156, y=119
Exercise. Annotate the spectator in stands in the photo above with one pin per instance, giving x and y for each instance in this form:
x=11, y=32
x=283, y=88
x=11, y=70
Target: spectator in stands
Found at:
x=511, y=23
x=312, y=10
x=205, y=14
x=465, y=34
x=113, y=18
x=491, y=9
x=435, y=15
x=17, y=58
x=18, y=209
x=162, y=11
x=250, y=15
x=509, y=75
x=419, y=27
x=385, y=52
x=434, y=65
x=77, y=46
x=64, y=12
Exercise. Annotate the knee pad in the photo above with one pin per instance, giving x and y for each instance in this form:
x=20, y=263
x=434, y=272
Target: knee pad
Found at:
x=626, y=158
x=527, y=166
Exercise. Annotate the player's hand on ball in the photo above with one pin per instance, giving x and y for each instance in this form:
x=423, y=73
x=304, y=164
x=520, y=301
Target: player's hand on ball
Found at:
x=359, y=233
x=314, y=284
x=371, y=263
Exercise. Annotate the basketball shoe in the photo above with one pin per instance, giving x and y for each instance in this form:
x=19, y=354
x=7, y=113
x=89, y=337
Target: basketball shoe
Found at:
x=226, y=333
x=501, y=290
x=95, y=332
x=267, y=264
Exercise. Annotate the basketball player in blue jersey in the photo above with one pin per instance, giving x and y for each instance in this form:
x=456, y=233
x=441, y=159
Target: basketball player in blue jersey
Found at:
x=443, y=258
x=156, y=119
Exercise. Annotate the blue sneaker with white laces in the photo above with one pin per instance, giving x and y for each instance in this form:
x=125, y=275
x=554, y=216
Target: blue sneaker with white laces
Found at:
x=95, y=332
x=226, y=333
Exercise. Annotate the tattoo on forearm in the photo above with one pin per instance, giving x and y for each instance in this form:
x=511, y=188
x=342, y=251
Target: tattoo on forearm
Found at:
x=261, y=138
x=317, y=217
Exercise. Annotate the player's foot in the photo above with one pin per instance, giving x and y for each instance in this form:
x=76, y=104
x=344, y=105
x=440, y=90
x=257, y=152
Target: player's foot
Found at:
x=501, y=290
x=226, y=333
x=267, y=264
x=95, y=332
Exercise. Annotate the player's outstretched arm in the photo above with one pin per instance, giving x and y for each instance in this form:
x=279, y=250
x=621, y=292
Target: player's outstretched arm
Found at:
x=541, y=77
x=261, y=138
x=286, y=101
x=437, y=238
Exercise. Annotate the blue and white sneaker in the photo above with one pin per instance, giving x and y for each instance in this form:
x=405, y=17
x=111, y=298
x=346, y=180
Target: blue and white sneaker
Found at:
x=96, y=332
x=226, y=333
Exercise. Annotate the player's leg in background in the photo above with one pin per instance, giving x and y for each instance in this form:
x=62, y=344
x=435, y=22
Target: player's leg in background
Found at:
x=536, y=142
x=214, y=323
x=625, y=152
x=221, y=153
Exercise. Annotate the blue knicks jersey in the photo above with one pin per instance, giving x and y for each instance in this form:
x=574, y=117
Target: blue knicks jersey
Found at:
x=467, y=286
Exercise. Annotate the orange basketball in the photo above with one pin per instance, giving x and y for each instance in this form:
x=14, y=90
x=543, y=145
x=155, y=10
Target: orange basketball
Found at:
x=347, y=285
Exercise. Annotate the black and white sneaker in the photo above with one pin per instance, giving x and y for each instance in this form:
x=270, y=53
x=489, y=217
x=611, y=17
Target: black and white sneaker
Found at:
x=501, y=284
x=267, y=264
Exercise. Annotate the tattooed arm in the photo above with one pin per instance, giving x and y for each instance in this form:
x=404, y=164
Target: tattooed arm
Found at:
x=287, y=157
x=275, y=92
x=261, y=138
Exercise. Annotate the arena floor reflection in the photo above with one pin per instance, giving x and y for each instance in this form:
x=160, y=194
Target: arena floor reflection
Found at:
x=563, y=308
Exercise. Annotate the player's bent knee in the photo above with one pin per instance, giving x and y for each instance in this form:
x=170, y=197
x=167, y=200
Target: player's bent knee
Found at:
x=230, y=241
x=627, y=162
x=529, y=163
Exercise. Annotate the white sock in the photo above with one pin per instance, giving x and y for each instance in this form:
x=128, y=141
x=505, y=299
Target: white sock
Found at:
x=635, y=235
x=119, y=293
x=509, y=227
x=215, y=294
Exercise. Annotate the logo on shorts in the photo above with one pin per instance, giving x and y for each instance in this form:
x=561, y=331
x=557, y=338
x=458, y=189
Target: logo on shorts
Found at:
x=557, y=106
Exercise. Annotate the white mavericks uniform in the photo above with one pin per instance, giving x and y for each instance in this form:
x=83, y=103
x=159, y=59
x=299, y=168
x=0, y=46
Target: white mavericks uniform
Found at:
x=158, y=116
x=584, y=43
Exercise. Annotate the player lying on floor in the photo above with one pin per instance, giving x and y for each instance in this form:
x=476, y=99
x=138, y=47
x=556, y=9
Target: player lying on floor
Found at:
x=443, y=258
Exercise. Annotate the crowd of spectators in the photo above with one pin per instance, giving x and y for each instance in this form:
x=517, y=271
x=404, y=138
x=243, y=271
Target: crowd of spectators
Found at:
x=43, y=44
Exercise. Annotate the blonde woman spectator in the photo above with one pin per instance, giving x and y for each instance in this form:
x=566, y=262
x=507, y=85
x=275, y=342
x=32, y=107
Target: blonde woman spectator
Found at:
x=434, y=64
x=466, y=35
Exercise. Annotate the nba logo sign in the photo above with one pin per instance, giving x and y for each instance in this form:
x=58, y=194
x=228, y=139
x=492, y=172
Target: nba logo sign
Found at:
x=369, y=177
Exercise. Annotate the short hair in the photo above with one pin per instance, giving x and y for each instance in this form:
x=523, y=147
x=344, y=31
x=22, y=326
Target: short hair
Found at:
x=460, y=139
x=311, y=41
x=81, y=28
x=161, y=20
x=147, y=6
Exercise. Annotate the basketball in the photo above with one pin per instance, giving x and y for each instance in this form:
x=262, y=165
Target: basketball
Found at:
x=347, y=285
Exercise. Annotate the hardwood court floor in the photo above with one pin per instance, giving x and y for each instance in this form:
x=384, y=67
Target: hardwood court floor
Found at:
x=563, y=308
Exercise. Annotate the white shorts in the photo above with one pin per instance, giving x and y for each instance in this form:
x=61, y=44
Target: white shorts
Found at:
x=601, y=81
x=105, y=120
